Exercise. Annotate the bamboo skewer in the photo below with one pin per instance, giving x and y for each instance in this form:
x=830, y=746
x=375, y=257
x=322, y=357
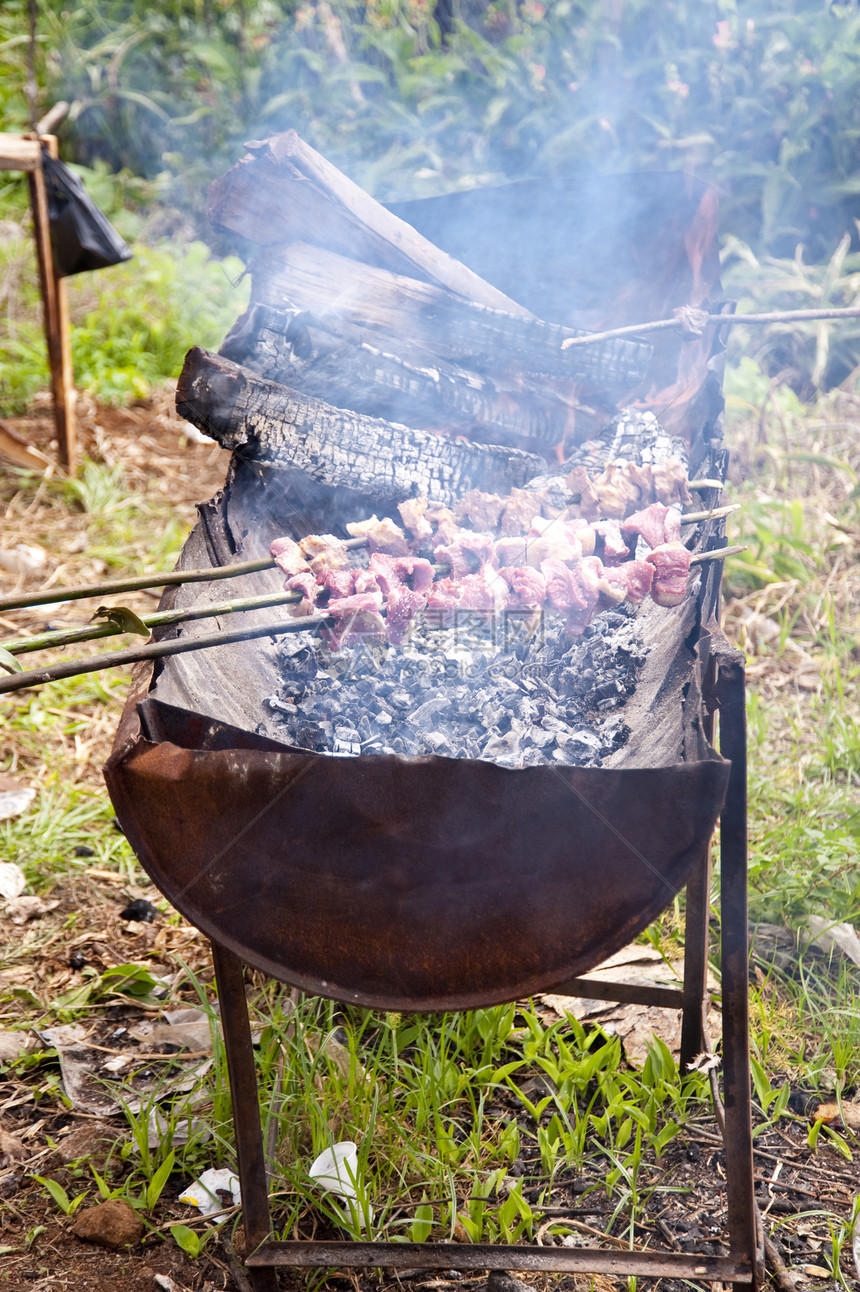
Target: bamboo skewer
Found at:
x=92, y=632
x=157, y=650
x=135, y=584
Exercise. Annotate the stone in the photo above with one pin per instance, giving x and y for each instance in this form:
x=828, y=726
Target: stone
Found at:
x=111, y=1224
x=93, y=1139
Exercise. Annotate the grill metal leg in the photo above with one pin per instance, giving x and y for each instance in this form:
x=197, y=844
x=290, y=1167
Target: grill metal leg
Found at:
x=743, y=1228
x=246, y=1111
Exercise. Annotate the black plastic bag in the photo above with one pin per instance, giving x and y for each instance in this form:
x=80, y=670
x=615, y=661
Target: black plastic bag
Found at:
x=82, y=237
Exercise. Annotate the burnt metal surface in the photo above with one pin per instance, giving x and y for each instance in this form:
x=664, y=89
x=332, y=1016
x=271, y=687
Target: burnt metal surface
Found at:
x=421, y=884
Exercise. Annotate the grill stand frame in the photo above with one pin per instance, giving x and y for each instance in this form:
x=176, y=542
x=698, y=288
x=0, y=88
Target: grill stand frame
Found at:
x=724, y=692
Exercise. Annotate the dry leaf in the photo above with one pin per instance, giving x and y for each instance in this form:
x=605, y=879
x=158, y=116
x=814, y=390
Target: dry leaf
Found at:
x=850, y=1114
x=22, y=909
x=14, y=1044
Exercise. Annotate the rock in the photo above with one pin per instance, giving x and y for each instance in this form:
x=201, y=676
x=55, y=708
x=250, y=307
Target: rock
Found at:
x=11, y=1149
x=93, y=1139
x=502, y=1281
x=111, y=1224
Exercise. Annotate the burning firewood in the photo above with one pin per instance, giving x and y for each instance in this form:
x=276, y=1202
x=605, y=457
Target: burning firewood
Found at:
x=421, y=319
x=282, y=191
x=298, y=349
x=384, y=461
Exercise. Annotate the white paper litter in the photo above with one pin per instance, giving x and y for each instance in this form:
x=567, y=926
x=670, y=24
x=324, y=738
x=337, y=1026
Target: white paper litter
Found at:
x=13, y=881
x=14, y=802
x=203, y=1195
x=830, y=936
x=24, y=559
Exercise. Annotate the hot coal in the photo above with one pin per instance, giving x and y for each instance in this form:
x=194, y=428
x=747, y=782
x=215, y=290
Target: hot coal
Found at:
x=478, y=689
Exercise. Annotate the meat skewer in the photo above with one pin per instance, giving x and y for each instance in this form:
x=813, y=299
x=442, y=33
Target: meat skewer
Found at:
x=159, y=650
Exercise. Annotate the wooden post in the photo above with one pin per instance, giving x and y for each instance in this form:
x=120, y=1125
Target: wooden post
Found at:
x=56, y=311
x=18, y=152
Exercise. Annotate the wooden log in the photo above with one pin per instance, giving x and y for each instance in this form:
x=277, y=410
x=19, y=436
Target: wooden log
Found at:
x=274, y=425
x=296, y=349
x=411, y=318
x=14, y=447
x=284, y=191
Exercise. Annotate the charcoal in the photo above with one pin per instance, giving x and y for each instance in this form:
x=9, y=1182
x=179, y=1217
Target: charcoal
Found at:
x=470, y=692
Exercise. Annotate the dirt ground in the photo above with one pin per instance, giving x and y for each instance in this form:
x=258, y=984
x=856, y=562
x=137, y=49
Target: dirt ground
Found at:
x=46, y=1136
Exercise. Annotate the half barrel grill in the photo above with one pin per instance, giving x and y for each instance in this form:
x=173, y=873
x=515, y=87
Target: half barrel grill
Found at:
x=429, y=883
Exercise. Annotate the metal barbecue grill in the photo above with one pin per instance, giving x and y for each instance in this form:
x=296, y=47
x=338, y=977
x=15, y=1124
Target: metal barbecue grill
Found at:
x=436, y=883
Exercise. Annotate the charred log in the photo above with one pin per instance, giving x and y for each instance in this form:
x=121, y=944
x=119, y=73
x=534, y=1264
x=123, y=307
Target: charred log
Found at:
x=384, y=461
x=283, y=191
x=397, y=312
x=296, y=349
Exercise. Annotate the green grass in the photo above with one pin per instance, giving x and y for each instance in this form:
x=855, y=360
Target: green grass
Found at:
x=131, y=324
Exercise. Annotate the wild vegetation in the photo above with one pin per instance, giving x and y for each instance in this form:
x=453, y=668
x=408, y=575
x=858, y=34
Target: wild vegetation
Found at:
x=468, y=1126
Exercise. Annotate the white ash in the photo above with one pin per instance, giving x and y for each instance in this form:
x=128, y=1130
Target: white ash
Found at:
x=459, y=693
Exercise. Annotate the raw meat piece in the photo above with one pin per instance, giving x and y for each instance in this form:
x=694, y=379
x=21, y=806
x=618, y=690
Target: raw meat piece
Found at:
x=482, y=591
x=287, y=555
x=444, y=522
x=480, y=510
x=357, y=621
x=444, y=595
x=467, y=553
x=382, y=535
x=561, y=591
x=527, y=588
x=383, y=569
x=510, y=551
x=551, y=540
x=340, y=583
x=581, y=530
x=585, y=579
x=589, y=502
x=614, y=547
x=417, y=571
x=306, y=583
x=401, y=607
x=325, y=552
x=671, y=563
x=520, y=510
x=613, y=585
x=657, y=524
x=670, y=483
x=639, y=576
x=413, y=517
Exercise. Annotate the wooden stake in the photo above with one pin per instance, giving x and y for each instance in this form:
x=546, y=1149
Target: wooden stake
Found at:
x=56, y=312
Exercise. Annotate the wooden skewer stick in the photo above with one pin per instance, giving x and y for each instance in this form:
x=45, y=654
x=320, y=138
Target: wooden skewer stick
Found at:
x=716, y=513
x=700, y=316
x=718, y=554
x=157, y=650
x=92, y=632
x=700, y=485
